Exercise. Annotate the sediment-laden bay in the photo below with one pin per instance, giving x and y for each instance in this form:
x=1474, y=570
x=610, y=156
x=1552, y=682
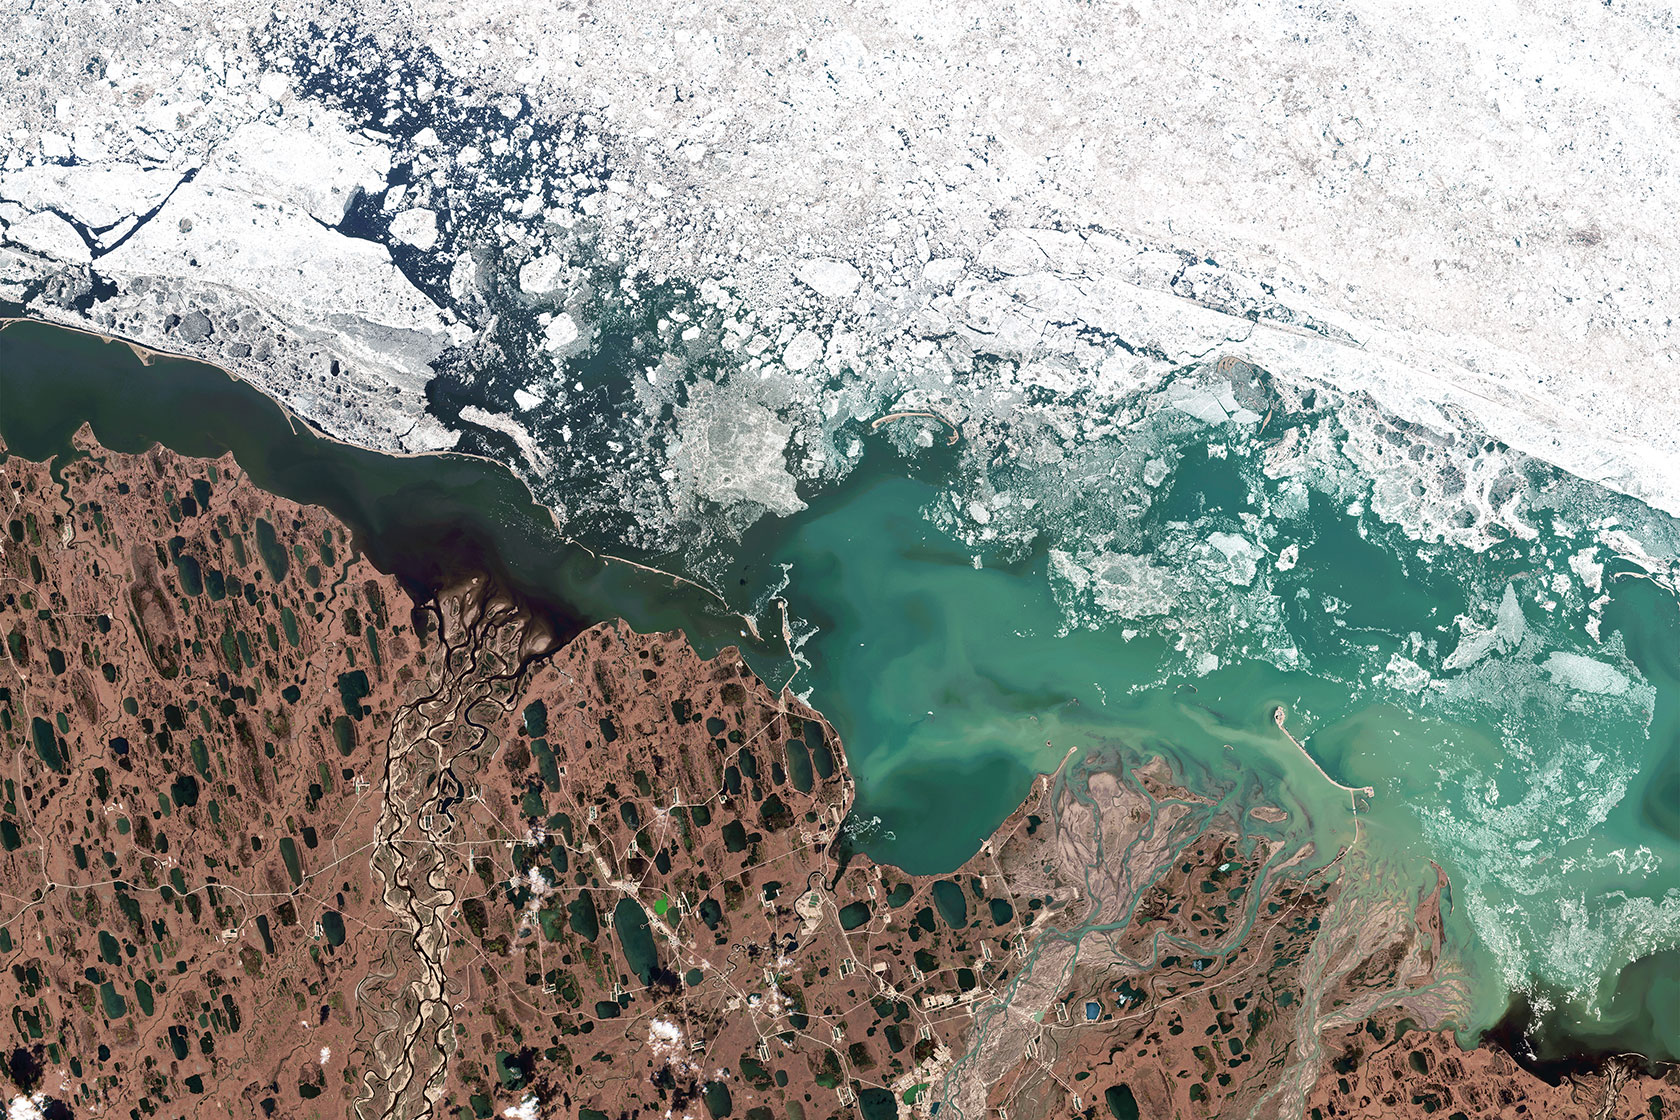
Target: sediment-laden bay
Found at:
x=1531, y=750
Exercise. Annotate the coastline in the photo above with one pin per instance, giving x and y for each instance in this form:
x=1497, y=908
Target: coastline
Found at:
x=1056, y=924
x=149, y=356
x=428, y=456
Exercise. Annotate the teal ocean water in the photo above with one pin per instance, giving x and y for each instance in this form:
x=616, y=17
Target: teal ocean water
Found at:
x=1543, y=784
x=1515, y=710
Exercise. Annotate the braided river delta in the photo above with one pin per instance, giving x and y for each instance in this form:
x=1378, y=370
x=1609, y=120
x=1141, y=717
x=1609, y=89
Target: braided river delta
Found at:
x=1511, y=715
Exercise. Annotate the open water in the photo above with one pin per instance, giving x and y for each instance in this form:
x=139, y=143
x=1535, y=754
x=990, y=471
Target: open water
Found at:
x=1537, y=764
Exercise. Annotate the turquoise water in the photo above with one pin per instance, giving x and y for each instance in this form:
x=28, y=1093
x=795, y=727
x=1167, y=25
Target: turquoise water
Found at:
x=953, y=684
x=1538, y=765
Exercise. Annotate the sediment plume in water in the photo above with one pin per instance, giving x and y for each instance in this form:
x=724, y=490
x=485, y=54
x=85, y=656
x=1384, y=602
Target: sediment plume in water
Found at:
x=334, y=860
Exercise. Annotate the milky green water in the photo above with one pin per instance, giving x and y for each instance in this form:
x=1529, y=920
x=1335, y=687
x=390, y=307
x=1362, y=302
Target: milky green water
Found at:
x=1552, y=808
x=1543, y=774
